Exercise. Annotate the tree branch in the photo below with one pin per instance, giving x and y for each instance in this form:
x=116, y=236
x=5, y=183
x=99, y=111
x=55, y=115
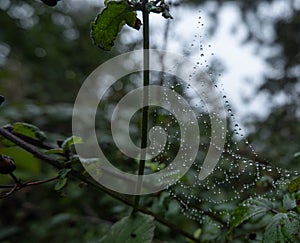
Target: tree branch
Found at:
x=90, y=181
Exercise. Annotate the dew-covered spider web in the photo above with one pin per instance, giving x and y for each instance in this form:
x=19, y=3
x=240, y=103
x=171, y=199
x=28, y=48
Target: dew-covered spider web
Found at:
x=240, y=173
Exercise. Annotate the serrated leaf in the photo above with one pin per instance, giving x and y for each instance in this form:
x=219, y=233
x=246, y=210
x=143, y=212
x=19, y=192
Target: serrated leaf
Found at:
x=248, y=209
x=283, y=227
x=71, y=141
x=294, y=185
x=131, y=229
x=110, y=21
x=28, y=130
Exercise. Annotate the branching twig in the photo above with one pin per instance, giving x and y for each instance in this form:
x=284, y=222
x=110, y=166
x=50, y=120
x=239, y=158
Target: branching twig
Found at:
x=88, y=180
x=19, y=185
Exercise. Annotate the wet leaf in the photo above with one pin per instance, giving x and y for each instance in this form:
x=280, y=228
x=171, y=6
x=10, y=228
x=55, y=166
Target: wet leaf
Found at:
x=247, y=210
x=110, y=21
x=283, y=227
x=289, y=201
x=166, y=14
x=131, y=229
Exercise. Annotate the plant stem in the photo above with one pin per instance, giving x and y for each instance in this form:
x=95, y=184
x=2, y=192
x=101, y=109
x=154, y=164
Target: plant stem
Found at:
x=145, y=110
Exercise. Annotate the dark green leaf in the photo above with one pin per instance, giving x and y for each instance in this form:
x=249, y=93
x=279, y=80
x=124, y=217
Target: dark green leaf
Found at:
x=110, y=21
x=166, y=14
x=284, y=227
x=247, y=210
x=28, y=130
x=294, y=185
x=131, y=229
x=151, y=7
x=62, y=181
x=64, y=172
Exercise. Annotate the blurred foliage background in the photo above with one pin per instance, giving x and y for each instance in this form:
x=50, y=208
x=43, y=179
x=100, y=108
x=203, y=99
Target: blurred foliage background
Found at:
x=45, y=55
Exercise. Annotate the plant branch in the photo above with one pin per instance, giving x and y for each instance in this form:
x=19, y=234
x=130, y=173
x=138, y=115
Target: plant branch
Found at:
x=88, y=180
x=30, y=148
x=144, y=133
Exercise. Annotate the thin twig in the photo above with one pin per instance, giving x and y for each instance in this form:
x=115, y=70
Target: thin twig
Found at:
x=20, y=185
x=30, y=148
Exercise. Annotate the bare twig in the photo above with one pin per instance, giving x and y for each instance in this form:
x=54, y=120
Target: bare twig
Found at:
x=20, y=185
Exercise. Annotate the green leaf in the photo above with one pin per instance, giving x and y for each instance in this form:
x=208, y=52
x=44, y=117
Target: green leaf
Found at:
x=248, y=209
x=110, y=21
x=289, y=201
x=62, y=181
x=166, y=14
x=70, y=141
x=55, y=151
x=151, y=7
x=131, y=229
x=7, y=143
x=283, y=227
x=28, y=130
x=64, y=172
x=294, y=185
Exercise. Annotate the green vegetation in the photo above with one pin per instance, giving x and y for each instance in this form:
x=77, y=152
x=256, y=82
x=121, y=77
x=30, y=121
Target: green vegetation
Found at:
x=46, y=53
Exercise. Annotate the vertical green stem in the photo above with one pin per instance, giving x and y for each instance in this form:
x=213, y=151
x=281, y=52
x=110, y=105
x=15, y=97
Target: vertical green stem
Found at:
x=146, y=77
